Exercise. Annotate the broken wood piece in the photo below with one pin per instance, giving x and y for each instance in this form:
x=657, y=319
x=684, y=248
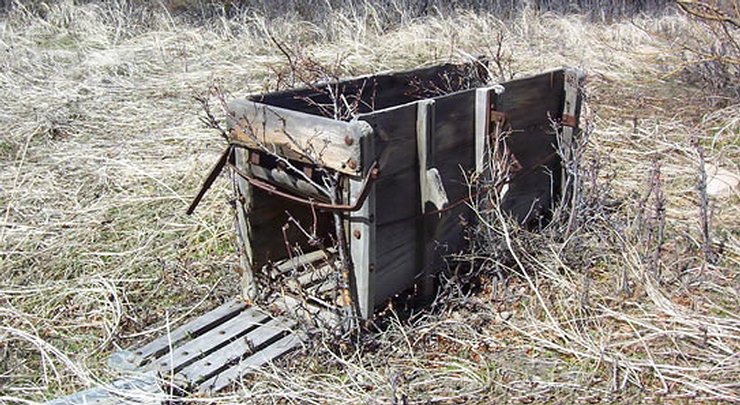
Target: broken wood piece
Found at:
x=297, y=262
x=294, y=135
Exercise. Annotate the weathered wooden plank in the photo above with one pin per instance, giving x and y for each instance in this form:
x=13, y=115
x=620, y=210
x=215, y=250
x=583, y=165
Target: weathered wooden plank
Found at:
x=309, y=278
x=397, y=196
x=529, y=197
x=532, y=146
x=399, y=210
x=530, y=105
x=397, y=193
x=455, y=150
x=454, y=170
x=433, y=195
x=482, y=126
x=570, y=117
x=295, y=135
x=315, y=276
x=455, y=120
x=455, y=143
x=570, y=104
x=399, y=225
x=397, y=256
x=218, y=361
x=311, y=313
x=242, y=206
x=270, y=353
x=362, y=236
x=430, y=183
x=161, y=345
x=299, y=261
x=449, y=237
x=485, y=102
x=531, y=143
x=395, y=137
x=531, y=100
x=288, y=182
x=247, y=320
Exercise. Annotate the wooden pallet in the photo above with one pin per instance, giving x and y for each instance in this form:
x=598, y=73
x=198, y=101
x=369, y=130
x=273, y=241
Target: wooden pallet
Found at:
x=207, y=354
x=214, y=350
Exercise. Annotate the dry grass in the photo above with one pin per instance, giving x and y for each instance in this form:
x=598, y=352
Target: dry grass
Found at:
x=101, y=149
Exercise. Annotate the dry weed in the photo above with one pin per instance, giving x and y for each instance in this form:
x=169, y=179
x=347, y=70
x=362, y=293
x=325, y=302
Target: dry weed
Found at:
x=102, y=148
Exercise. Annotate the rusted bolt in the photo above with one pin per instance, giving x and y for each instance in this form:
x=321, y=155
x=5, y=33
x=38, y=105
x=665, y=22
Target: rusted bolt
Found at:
x=569, y=120
x=375, y=173
x=371, y=268
x=348, y=140
x=357, y=234
x=352, y=164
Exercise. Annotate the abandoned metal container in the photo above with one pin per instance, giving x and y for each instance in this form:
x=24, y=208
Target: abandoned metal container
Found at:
x=403, y=148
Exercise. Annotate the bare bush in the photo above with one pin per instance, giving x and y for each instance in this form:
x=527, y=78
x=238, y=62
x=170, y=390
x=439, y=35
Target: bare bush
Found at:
x=712, y=50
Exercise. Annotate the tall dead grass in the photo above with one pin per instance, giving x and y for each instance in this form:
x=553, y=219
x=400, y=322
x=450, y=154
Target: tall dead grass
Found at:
x=102, y=147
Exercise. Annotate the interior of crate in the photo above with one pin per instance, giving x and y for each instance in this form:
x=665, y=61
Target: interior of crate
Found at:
x=282, y=238
x=377, y=92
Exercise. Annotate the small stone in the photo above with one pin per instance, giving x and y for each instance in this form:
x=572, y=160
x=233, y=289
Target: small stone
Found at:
x=721, y=182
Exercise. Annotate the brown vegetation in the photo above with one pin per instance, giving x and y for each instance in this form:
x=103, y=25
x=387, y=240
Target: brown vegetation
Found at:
x=636, y=299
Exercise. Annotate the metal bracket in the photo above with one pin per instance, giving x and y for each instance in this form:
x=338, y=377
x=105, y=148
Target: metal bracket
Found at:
x=486, y=120
x=569, y=120
x=571, y=88
x=430, y=182
x=497, y=117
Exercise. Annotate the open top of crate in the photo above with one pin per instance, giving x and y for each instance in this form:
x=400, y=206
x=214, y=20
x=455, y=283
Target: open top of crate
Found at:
x=321, y=121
